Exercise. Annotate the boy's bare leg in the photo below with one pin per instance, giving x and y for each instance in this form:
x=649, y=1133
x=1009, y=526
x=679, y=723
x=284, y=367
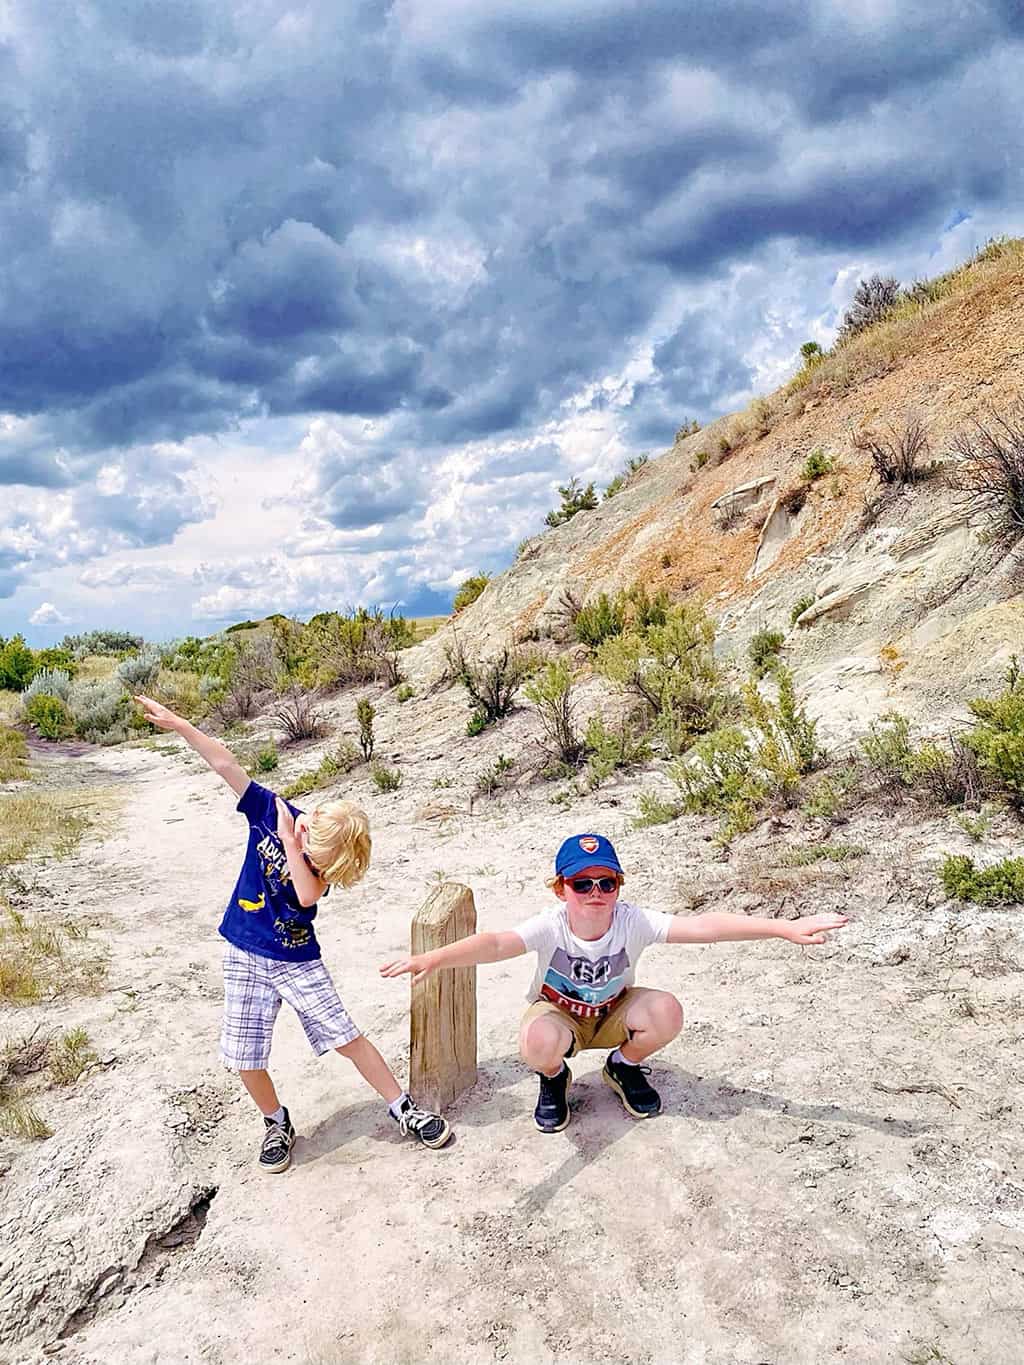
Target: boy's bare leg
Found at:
x=653, y=1020
x=261, y=1088
x=372, y=1067
x=543, y=1044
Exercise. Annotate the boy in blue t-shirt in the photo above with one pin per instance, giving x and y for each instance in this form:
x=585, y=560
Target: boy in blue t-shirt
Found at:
x=272, y=954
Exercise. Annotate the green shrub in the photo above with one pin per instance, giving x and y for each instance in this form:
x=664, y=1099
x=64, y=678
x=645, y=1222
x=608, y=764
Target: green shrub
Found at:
x=101, y=642
x=600, y=620
x=386, y=779
x=550, y=690
x=817, y=465
x=800, y=606
x=610, y=749
x=833, y=793
x=655, y=811
x=493, y=778
x=404, y=693
x=888, y=752
x=690, y=427
x=700, y=459
x=671, y=667
x=490, y=683
x=266, y=759
x=998, y=737
x=834, y=853
x=17, y=663
x=99, y=711
x=364, y=715
x=49, y=716
x=469, y=590
x=1000, y=884
x=764, y=649
x=70, y=1054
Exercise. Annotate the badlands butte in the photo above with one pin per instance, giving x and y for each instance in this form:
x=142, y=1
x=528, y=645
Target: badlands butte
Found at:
x=836, y=1174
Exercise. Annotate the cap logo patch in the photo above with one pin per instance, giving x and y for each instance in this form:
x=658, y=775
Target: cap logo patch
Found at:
x=589, y=844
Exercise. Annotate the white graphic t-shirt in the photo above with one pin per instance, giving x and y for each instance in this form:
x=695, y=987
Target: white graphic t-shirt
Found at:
x=586, y=977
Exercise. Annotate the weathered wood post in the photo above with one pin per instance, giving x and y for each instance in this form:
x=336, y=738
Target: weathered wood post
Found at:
x=443, y=1018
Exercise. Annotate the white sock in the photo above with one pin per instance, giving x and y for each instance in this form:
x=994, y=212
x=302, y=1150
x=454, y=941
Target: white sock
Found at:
x=618, y=1059
x=277, y=1116
x=395, y=1107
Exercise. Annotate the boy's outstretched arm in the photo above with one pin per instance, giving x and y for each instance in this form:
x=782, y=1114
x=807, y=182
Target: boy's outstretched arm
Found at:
x=218, y=755
x=467, y=952
x=720, y=928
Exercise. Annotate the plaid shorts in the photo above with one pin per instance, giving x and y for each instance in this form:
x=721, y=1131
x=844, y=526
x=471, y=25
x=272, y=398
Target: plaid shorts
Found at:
x=254, y=987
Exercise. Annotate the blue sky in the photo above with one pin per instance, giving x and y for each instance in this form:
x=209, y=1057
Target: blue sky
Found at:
x=308, y=305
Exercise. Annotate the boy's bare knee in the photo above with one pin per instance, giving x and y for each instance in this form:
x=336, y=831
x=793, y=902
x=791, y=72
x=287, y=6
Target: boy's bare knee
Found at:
x=544, y=1041
x=661, y=1014
x=352, y=1049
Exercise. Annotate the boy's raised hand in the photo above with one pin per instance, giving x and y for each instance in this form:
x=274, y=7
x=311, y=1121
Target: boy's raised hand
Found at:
x=285, y=822
x=160, y=716
x=416, y=965
x=813, y=928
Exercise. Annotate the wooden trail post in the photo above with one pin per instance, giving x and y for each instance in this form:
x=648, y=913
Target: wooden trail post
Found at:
x=443, y=1019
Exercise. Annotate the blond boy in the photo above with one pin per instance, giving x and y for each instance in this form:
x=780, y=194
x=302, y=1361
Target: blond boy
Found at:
x=292, y=859
x=583, y=993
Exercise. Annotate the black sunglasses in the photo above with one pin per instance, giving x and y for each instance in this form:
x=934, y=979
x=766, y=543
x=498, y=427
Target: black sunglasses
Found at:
x=581, y=885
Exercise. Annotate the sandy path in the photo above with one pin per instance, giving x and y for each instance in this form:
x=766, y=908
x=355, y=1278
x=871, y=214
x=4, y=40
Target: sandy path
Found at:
x=781, y=1210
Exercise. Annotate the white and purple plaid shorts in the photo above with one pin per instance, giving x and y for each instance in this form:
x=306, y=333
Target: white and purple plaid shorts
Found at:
x=254, y=987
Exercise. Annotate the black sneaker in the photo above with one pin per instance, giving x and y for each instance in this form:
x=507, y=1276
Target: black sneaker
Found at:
x=552, y=1112
x=630, y=1084
x=431, y=1129
x=276, y=1152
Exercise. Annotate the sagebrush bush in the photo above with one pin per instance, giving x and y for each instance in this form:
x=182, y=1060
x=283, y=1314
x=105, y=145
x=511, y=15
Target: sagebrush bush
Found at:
x=873, y=300
x=898, y=454
x=138, y=670
x=469, y=590
x=1000, y=884
x=101, y=642
x=99, y=711
x=49, y=682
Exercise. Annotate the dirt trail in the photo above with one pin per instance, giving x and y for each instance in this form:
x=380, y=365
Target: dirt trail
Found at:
x=792, y=1204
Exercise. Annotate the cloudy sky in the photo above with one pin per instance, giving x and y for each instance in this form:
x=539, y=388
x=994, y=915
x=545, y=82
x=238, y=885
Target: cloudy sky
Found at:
x=309, y=305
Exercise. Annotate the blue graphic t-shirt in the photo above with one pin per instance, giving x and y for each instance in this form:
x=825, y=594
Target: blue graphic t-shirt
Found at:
x=264, y=915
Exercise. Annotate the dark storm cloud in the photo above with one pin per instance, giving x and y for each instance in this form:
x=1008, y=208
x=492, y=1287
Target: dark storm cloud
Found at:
x=452, y=216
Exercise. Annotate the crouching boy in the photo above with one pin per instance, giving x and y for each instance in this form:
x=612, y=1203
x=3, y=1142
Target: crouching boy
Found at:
x=292, y=859
x=583, y=993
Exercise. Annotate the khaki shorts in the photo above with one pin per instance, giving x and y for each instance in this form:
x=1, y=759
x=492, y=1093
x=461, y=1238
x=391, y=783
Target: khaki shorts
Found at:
x=609, y=1031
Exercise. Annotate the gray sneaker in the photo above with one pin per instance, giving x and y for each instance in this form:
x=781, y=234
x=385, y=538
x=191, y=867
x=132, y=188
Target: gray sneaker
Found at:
x=430, y=1129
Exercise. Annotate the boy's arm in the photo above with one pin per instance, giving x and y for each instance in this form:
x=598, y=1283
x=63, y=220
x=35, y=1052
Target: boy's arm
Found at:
x=467, y=952
x=308, y=886
x=218, y=755
x=719, y=928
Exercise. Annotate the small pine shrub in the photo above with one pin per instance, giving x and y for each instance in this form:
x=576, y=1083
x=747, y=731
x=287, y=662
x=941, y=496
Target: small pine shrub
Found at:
x=493, y=779
x=997, y=739
x=49, y=716
x=476, y=724
x=575, y=498
x=404, y=693
x=469, y=590
x=386, y=779
x=1000, y=884
x=764, y=649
